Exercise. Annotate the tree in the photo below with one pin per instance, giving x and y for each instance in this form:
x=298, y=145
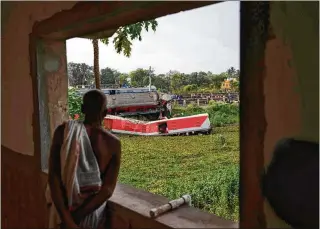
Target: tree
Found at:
x=122, y=42
x=139, y=77
x=190, y=88
x=123, y=79
x=233, y=73
x=218, y=79
x=234, y=84
x=161, y=82
x=96, y=68
x=202, y=79
x=79, y=74
x=173, y=81
x=193, y=78
x=237, y=74
x=177, y=81
x=109, y=76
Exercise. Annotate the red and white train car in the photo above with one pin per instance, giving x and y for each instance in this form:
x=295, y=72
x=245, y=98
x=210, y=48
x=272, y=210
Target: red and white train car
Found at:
x=194, y=124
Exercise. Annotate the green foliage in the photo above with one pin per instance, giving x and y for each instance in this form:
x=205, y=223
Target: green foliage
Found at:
x=122, y=42
x=176, y=80
x=109, y=76
x=198, y=165
x=74, y=103
x=139, y=77
x=235, y=85
x=161, y=82
x=220, y=113
x=123, y=78
x=126, y=34
x=218, y=79
x=190, y=88
x=233, y=73
x=173, y=81
x=80, y=74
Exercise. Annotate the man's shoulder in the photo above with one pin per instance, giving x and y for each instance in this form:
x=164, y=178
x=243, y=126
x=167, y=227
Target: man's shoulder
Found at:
x=59, y=133
x=60, y=128
x=109, y=138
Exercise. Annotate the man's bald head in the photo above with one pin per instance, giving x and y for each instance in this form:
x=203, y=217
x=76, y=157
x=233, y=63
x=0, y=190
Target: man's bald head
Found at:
x=94, y=104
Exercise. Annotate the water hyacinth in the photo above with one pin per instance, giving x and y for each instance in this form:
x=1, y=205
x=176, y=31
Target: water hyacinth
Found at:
x=197, y=165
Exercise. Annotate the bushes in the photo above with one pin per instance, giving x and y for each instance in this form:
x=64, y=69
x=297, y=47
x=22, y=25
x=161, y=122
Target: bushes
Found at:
x=74, y=103
x=219, y=113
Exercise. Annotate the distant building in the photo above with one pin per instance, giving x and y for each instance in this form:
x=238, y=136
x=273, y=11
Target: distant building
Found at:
x=226, y=84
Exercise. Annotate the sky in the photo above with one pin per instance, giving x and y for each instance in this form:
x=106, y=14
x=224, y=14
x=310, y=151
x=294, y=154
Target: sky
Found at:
x=203, y=39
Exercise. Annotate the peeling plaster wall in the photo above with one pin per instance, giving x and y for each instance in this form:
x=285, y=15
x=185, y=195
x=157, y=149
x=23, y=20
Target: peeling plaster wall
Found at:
x=16, y=84
x=291, y=84
x=52, y=91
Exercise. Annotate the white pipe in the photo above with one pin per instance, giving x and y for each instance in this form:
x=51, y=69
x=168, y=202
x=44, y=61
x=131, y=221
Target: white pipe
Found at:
x=173, y=204
x=149, y=78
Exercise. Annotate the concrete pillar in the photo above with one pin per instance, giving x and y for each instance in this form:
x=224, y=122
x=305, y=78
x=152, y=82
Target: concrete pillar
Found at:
x=52, y=91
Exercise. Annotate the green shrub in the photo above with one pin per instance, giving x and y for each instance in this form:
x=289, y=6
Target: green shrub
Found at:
x=220, y=113
x=74, y=103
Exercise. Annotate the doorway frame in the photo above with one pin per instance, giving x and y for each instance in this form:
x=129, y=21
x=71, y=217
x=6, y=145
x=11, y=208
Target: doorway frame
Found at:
x=90, y=17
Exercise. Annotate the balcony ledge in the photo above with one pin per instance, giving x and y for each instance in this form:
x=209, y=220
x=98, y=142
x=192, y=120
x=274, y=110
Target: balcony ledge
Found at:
x=127, y=199
x=133, y=206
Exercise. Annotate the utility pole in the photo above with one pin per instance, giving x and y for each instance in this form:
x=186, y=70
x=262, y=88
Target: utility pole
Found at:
x=150, y=70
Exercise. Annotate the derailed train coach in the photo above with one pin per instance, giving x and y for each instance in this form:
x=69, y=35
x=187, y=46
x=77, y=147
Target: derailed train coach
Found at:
x=138, y=103
x=189, y=125
x=144, y=111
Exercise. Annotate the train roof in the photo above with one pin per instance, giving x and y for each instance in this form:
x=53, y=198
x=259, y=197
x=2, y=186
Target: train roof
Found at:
x=120, y=90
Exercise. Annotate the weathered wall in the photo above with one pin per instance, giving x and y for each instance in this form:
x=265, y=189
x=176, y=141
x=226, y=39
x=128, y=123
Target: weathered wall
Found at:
x=52, y=91
x=22, y=190
x=16, y=85
x=291, y=84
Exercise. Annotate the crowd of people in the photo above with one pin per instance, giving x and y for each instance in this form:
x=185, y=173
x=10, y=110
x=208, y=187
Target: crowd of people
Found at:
x=226, y=97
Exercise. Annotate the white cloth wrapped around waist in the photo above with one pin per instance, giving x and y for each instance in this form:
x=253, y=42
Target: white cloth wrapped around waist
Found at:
x=80, y=175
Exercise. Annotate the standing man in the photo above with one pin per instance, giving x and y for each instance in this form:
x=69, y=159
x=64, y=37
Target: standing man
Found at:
x=83, y=168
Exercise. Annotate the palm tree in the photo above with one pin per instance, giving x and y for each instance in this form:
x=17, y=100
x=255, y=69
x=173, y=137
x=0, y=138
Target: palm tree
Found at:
x=122, y=42
x=96, y=69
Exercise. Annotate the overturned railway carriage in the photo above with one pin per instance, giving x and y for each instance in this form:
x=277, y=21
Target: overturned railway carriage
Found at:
x=139, y=103
x=144, y=111
x=195, y=124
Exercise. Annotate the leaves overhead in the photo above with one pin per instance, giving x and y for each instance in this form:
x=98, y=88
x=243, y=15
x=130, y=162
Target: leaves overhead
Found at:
x=126, y=34
x=122, y=42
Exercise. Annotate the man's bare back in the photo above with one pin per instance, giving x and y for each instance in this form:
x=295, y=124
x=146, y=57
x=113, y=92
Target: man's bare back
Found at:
x=104, y=144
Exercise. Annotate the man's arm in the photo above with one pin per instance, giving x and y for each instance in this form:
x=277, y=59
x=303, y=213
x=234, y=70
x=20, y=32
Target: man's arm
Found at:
x=109, y=184
x=55, y=181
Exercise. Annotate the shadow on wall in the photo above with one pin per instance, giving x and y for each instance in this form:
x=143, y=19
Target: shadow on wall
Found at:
x=291, y=183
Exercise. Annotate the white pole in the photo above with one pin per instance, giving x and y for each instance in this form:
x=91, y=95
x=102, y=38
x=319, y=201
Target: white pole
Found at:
x=150, y=78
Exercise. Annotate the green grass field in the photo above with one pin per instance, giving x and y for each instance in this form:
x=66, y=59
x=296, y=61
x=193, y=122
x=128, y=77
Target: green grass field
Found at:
x=206, y=167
